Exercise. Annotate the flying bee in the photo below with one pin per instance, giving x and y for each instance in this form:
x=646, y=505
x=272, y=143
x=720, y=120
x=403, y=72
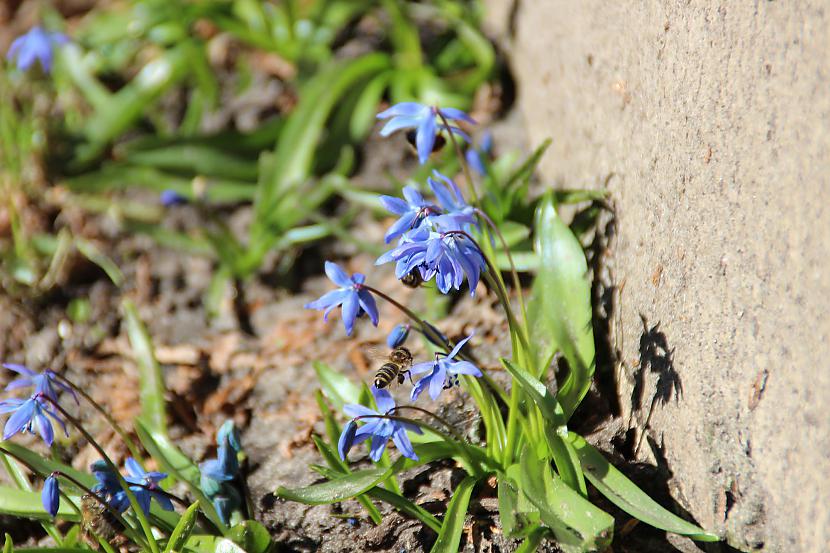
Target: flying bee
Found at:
x=396, y=367
x=412, y=279
x=437, y=145
x=98, y=520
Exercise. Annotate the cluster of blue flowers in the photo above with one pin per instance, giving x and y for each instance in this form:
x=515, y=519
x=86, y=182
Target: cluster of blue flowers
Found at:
x=143, y=484
x=218, y=476
x=433, y=241
x=35, y=414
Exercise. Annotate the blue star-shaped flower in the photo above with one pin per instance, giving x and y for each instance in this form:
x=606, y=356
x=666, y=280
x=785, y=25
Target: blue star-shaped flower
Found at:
x=351, y=295
x=458, y=214
x=377, y=428
x=30, y=415
x=422, y=118
x=411, y=212
x=36, y=45
x=43, y=383
x=108, y=487
x=441, y=370
x=147, y=487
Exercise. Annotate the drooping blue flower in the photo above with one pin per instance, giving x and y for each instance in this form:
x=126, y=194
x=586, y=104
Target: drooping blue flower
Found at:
x=51, y=496
x=108, y=486
x=442, y=371
x=169, y=198
x=422, y=118
x=44, y=383
x=36, y=45
x=411, y=211
x=30, y=415
x=476, y=156
x=449, y=256
x=146, y=486
x=398, y=335
x=378, y=428
x=226, y=465
x=351, y=295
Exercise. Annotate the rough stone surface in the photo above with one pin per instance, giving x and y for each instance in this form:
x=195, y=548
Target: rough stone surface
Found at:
x=714, y=120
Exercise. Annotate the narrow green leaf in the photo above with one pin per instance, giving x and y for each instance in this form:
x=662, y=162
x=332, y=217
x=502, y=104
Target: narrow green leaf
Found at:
x=577, y=524
x=251, y=536
x=181, y=533
x=623, y=493
x=450, y=535
x=44, y=466
x=340, y=467
x=151, y=383
x=8, y=545
x=337, y=388
x=339, y=489
x=560, y=306
x=532, y=542
x=555, y=429
x=406, y=507
x=91, y=252
x=24, y=504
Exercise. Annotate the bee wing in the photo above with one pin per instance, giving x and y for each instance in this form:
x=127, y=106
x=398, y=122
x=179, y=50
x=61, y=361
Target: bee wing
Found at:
x=377, y=354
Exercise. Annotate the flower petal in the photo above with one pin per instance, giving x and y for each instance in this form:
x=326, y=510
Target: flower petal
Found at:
x=425, y=138
x=403, y=444
x=378, y=446
x=351, y=305
x=456, y=114
x=384, y=400
x=353, y=410
x=337, y=275
x=367, y=302
x=406, y=109
x=459, y=345
x=464, y=367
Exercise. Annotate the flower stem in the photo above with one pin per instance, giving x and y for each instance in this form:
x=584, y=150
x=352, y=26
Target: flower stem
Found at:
x=516, y=283
x=134, y=451
x=139, y=513
x=467, y=175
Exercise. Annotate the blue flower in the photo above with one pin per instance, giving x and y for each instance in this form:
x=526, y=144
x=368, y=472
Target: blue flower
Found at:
x=377, y=428
x=226, y=465
x=146, y=486
x=43, y=382
x=475, y=156
x=448, y=256
x=422, y=118
x=30, y=415
x=36, y=45
x=229, y=432
x=456, y=209
x=351, y=295
x=441, y=372
x=51, y=496
x=411, y=211
x=108, y=486
x=398, y=335
x=169, y=198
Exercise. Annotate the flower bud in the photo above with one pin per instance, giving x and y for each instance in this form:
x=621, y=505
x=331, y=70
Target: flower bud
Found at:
x=51, y=496
x=398, y=335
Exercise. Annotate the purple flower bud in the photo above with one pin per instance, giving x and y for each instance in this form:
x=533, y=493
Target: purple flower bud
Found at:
x=51, y=496
x=170, y=198
x=344, y=444
x=398, y=335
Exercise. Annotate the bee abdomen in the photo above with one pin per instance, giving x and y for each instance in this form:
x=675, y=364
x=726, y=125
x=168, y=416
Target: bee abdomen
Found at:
x=385, y=375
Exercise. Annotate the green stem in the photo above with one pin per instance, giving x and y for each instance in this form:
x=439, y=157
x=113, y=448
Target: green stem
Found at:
x=131, y=445
x=139, y=513
x=461, y=159
x=516, y=283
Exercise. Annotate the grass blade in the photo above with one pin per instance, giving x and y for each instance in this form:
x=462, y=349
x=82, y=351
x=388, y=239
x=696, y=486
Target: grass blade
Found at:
x=151, y=390
x=450, y=535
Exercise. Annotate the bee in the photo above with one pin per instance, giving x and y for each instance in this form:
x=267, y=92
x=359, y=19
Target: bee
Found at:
x=439, y=140
x=412, y=279
x=98, y=520
x=396, y=367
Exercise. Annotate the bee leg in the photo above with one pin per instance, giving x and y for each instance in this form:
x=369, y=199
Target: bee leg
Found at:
x=401, y=378
x=408, y=375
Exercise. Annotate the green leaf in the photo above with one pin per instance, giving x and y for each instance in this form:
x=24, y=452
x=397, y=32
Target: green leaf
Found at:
x=45, y=467
x=336, y=490
x=450, y=535
x=577, y=524
x=91, y=252
x=556, y=428
x=516, y=521
x=623, y=493
x=151, y=383
x=8, y=545
x=405, y=506
x=337, y=388
x=340, y=467
x=251, y=536
x=532, y=542
x=24, y=504
x=181, y=533
x=560, y=307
